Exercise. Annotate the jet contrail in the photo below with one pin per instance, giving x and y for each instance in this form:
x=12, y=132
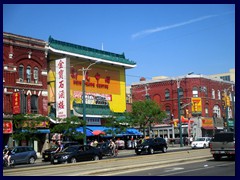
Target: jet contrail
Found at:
x=158, y=29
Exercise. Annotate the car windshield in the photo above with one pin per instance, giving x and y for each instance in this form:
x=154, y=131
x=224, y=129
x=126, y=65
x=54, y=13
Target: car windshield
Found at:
x=147, y=141
x=70, y=149
x=200, y=139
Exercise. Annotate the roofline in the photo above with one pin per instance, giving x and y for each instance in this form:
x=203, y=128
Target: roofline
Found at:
x=180, y=77
x=91, y=58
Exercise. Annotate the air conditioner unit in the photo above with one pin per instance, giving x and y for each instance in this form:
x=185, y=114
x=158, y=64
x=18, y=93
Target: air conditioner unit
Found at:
x=20, y=79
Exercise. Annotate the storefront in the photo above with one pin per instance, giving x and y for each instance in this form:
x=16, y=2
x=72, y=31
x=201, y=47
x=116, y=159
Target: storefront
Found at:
x=104, y=75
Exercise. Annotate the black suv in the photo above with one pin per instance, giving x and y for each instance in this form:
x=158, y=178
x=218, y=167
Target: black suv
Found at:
x=151, y=145
x=46, y=155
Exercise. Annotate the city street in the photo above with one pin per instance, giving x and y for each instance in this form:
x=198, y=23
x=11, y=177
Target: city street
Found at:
x=133, y=164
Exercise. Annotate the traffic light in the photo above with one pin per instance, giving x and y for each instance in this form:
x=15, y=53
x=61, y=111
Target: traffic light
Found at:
x=227, y=101
x=195, y=107
x=175, y=124
x=223, y=100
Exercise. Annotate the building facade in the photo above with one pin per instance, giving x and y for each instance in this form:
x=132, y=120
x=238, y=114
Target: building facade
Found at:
x=24, y=83
x=69, y=65
x=200, y=100
x=228, y=76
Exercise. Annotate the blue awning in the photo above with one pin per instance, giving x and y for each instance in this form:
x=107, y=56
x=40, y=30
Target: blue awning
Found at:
x=88, y=131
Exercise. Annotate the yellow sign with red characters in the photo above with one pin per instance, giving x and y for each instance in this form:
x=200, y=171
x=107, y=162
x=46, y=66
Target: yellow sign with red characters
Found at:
x=196, y=104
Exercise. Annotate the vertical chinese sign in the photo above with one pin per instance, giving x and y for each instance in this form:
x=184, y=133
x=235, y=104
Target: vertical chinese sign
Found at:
x=16, y=103
x=196, y=104
x=61, y=88
x=7, y=127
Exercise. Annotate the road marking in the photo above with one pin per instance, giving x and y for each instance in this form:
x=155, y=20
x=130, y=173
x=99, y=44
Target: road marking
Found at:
x=174, y=169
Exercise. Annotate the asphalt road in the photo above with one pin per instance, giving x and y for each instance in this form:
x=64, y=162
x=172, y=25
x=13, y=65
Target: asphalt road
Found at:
x=114, y=166
x=200, y=168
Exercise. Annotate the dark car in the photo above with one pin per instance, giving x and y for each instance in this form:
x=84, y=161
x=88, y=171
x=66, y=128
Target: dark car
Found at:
x=104, y=148
x=77, y=153
x=149, y=146
x=23, y=155
x=46, y=155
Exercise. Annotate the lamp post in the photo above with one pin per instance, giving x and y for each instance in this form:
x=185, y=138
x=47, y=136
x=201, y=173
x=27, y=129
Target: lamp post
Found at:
x=179, y=109
x=84, y=71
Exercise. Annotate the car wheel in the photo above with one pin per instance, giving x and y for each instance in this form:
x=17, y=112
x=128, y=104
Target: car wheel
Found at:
x=12, y=162
x=31, y=160
x=164, y=150
x=96, y=158
x=204, y=146
x=151, y=151
x=73, y=160
x=216, y=157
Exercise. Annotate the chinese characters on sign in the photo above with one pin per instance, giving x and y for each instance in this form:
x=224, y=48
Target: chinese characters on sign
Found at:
x=16, y=103
x=196, y=105
x=7, y=127
x=61, y=88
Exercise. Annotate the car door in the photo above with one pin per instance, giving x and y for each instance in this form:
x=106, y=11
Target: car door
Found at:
x=18, y=155
x=82, y=153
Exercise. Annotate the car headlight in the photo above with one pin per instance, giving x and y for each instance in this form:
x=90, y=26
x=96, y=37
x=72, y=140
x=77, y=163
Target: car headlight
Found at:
x=65, y=157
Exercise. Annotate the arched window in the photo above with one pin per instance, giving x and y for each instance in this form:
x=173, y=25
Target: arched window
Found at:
x=217, y=110
x=213, y=93
x=35, y=75
x=28, y=72
x=168, y=110
x=21, y=73
x=167, y=94
x=195, y=92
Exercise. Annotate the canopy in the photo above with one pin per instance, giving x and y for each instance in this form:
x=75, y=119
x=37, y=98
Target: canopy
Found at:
x=89, y=132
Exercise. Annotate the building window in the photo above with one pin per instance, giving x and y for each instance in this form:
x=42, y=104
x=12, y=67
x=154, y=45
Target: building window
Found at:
x=219, y=95
x=180, y=92
x=225, y=78
x=35, y=75
x=213, y=93
x=23, y=101
x=34, y=104
x=168, y=111
x=28, y=72
x=167, y=94
x=217, y=110
x=195, y=92
x=21, y=73
x=206, y=112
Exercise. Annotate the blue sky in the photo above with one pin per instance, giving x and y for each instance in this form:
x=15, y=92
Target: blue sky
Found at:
x=163, y=39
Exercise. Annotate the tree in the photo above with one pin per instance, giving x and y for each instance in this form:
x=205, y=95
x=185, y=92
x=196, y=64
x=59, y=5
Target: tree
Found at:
x=145, y=113
x=68, y=127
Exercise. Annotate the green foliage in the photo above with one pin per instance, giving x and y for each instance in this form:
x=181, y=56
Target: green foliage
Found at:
x=144, y=113
x=68, y=128
x=117, y=123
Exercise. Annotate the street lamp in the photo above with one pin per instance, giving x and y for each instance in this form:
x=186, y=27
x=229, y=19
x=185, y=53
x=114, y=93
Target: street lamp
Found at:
x=84, y=101
x=179, y=108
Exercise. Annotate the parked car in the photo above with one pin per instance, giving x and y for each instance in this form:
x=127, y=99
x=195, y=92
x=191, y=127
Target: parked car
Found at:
x=103, y=147
x=201, y=142
x=46, y=155
x=23, y=155
x=151, y=145
x=76, y=153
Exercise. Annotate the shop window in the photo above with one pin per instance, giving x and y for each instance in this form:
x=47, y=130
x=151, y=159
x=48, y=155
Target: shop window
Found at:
x=34, y=104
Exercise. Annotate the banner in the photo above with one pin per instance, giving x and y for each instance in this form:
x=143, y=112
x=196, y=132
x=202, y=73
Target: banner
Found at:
x=16, y=103
x=7, y=127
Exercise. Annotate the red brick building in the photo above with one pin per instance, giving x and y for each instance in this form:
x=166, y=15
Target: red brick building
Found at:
x=200, y=98
x=24, y=79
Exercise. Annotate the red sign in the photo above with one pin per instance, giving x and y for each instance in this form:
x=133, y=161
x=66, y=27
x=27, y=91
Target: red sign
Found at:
x=16, y=103
x=7, y=127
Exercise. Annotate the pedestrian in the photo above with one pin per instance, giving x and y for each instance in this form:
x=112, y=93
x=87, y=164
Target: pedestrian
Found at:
x=166, y=139
x=7, y=154
x=191, y=140
x=112, y=147
x=59, y=148
x=95, y=143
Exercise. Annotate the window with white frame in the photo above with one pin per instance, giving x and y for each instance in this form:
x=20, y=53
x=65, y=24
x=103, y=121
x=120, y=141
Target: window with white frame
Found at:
x=35, y=75
x=21, y=73
x=195, y=92
x=28, y=72
x=217, y=110
x=213, y=93
x=219, y=95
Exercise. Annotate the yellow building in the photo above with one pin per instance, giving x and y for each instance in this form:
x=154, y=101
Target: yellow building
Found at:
x=105, y=86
